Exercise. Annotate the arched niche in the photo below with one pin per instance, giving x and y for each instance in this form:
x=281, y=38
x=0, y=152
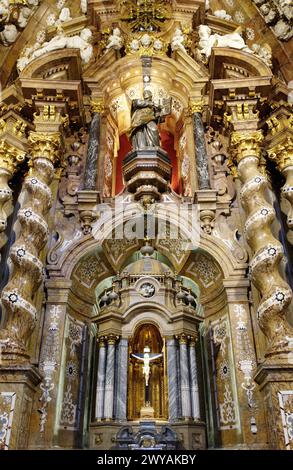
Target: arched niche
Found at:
x=147, y=335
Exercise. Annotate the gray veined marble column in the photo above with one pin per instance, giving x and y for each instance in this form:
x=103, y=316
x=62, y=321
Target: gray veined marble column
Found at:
x=200, y=152
x=121, y=397
x=172, y=379
x=101, y=381
x=195, y=408
x=109, y=381
x=91, y=167
x=184, y=379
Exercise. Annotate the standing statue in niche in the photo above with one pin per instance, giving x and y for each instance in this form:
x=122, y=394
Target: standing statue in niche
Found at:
x=145, y=117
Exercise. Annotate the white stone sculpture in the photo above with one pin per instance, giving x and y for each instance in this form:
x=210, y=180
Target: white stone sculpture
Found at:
x=177, y=41
x=51, y=20
x=134, y=45
x=60, y=41
x=209, y=40
x=115, y=40
x=158, y=45
x=4, y=9
x=268, y=13
x=24, y=16
x=264, y=53
x=146, y=40
x=9, y=34
x=83, y=6
x=60, y=4
x=65, y=15
x=283, y=30
x=223, y=15
x=11, y=30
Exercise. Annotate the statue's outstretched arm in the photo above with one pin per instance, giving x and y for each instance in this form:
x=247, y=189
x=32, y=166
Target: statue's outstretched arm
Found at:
x=137, y=357
x=155, y=357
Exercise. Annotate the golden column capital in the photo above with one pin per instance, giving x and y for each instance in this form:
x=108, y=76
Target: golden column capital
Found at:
x=282, y=154
x=182, y=338
x=195, y=106
x=247, y=144
x=10, y=157
x=112, y=339
x=45, y=145
x=97, y=105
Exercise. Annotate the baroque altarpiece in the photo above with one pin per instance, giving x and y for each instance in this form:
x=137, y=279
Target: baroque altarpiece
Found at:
x=146, y=224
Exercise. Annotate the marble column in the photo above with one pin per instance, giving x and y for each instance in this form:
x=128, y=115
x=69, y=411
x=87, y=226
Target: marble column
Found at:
x=200, y=147
x=121, y=397
x=91, y=167
x=194, y=392
x=109, y=381
x=101, y=380
x=184, y=378
x=172, y=379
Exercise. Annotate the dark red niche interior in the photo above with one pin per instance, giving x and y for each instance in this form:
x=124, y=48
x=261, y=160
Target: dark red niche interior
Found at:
x=167, y=142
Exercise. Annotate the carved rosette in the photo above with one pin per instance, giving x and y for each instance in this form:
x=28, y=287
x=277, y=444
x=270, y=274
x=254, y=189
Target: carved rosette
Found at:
x=17, y=297
x=282, y=155
x=267, y=251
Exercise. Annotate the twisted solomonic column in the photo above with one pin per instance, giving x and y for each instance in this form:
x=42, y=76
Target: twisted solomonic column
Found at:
x=266, y=250
x=17, y=296
x=282, y=155
x=10, y=157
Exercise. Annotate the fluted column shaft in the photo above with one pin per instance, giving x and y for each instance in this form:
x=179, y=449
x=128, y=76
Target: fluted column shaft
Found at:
x=27, y=275
x=194, y=391
x=109, y=381
x=173, y=391
x=184, y=379
x=101, y=380
x=267, y=251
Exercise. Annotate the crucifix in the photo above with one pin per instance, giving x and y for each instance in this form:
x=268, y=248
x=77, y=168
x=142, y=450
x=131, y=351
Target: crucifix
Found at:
x=146, y=357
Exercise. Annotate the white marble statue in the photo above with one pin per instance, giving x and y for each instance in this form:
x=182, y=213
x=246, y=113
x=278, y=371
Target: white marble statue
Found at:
x=60, y=4
x=134, y=45
x=268, y=13
x=9, y=34
x=223, y=15
x=65, y=15
x=158, y=45
x=60, y=41
x=24, y=16
x=263, y=52
x=51, y=20
x=115, y=40
x=4, y=9
x=146, y=40
x=283, y=30
x=209, y=40
x=177, y=41
x=83, y=6
x=11, y=30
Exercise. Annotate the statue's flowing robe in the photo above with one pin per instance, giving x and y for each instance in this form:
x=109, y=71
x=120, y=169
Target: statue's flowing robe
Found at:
x=144, y=130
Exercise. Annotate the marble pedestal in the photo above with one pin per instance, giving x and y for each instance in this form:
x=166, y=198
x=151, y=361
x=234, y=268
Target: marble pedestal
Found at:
x=17, y=388
x=276, y=384
x=192, y=434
